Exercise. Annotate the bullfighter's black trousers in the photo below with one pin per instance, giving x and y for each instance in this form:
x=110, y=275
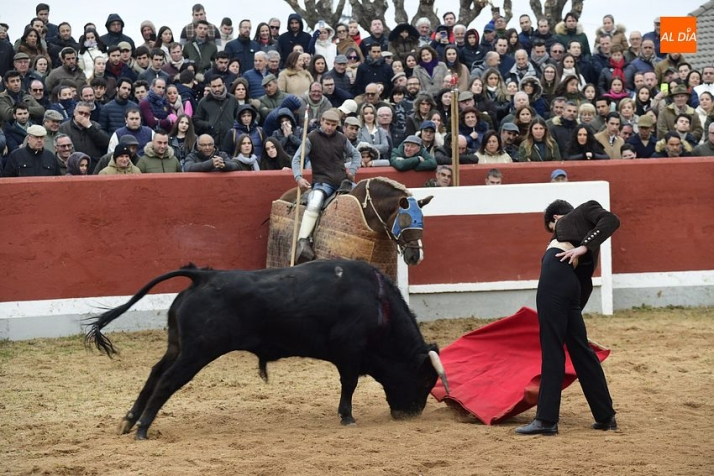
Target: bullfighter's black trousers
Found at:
x=561, y=322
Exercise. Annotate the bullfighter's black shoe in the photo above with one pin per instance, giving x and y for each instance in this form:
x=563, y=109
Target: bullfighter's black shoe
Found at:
x=609, y=424
x=538, y=427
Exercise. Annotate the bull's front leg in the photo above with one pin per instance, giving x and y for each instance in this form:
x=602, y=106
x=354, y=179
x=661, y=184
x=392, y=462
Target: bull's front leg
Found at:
x=348, y=379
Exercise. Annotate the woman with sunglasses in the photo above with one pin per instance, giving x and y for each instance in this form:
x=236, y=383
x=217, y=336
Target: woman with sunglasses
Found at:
x=354, y=59
x=344, y=42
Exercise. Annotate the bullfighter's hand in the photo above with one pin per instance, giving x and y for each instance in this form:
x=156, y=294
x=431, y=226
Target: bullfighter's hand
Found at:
x=572, y=255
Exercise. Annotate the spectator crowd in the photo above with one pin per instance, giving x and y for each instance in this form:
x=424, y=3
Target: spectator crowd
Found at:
x=217, y=98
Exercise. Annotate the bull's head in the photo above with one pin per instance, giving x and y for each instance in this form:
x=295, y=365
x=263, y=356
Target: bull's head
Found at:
x=408, y=229
x=409, y=386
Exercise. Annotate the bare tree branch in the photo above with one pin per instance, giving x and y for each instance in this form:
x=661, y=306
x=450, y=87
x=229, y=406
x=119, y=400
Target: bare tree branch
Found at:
x=469, y=10
x=426, y=9
x=400, y=13
x=508, y=10
x=367, y=10
x=577, y=6
x=537, y=9
x=553, y=10
x=296, y=8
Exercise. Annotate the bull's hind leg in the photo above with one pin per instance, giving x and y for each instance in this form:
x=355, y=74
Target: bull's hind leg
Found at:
x=179, y=374
x=172, y=351
x=157, y=371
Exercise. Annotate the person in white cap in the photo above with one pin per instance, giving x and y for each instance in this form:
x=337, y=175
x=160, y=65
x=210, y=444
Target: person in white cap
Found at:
x=327, y=149
x=32, y=160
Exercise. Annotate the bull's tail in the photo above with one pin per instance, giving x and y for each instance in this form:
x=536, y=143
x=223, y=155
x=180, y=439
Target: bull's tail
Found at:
x=96, y=324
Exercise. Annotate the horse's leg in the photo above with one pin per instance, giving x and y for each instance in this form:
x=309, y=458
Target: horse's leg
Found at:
x=156, y=372
x=186, y=366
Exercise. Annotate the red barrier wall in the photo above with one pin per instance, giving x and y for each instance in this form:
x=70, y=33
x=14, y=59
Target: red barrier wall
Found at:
x=96, y=236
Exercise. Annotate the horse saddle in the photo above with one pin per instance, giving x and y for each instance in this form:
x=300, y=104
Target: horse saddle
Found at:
x=345, y=187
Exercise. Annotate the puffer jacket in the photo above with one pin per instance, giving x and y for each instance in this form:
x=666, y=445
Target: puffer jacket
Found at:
x=152, y=163
x=564, y=36
x=112, y=169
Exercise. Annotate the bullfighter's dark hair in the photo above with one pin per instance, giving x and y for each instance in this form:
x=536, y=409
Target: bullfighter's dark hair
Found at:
x=558, y=207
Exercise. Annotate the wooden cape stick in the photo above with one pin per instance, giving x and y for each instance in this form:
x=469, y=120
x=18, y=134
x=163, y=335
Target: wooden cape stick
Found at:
x=455, y=135
x=297, y=200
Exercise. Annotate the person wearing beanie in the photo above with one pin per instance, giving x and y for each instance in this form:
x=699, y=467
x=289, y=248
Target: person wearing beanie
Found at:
x=120, y=163
x=127, y=140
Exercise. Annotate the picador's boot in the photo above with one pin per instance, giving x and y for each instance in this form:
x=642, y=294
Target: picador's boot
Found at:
x=303, y=252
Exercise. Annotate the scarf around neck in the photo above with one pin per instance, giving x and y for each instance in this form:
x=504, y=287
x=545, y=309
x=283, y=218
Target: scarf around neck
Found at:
x=219, y=97
x=429, y=67
x=252, y=161
x=159, y=105
x=617, y=68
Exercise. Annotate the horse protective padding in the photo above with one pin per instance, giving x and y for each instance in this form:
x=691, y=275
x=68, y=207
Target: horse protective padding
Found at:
x=341, y=232
x=494, y=371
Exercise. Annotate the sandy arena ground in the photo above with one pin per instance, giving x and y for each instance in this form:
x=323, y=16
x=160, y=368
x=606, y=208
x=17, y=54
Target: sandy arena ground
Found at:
x=60, y=409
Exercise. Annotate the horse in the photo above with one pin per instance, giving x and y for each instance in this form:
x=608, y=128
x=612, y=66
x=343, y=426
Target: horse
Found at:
x=376, y=218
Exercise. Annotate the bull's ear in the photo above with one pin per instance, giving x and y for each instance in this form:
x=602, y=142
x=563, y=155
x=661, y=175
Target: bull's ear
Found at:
x=425, y=201
x=404, y=203
x=423, y=359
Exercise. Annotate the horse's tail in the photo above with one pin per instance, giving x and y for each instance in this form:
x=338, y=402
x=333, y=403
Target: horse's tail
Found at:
x=96, y=324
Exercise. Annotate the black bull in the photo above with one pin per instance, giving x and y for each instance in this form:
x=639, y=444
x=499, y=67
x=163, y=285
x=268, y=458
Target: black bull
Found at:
x=344, y=312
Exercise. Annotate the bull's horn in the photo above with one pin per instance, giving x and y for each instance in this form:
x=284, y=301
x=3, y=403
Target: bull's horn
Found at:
x=439, y=367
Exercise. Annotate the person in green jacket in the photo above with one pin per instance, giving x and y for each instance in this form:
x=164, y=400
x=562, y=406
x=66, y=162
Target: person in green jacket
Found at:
x=411, y=155
x=158, y=157
x=120, y=164
x=569, y=29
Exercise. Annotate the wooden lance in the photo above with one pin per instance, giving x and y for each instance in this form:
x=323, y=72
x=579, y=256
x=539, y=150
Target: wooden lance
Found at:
x=455, y=130
x=297, y=200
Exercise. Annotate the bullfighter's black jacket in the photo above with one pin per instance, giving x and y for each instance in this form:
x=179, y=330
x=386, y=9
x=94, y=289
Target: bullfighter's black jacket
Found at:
x=589, y=225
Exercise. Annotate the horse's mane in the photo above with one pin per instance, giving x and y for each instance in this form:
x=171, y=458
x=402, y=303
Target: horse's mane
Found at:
x=391, y=183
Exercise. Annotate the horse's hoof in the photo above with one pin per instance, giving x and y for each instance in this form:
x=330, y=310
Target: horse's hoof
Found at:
x=348, y=422
x=141, y=434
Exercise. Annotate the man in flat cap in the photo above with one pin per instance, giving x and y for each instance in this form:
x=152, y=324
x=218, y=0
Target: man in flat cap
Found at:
x=32, y=160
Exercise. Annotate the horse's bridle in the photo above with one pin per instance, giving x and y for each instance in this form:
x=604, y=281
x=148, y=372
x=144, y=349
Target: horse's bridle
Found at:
x=406, y=222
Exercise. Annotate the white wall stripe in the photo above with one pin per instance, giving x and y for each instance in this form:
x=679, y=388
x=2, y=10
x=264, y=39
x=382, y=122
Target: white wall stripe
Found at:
x=158, y=302
x=663, y=280
x=80, y=306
